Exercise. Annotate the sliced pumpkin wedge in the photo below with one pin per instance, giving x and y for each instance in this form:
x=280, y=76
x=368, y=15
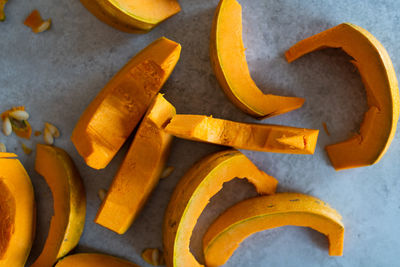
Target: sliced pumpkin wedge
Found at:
x=93, y=259
x=140, y=171
x=261, y=213
x=193, y=192
x=17, y=212
x=132, y=16
x=259, y=137
x=379, y=78
x=69, y=198
x=114, y=113
x=228, y=60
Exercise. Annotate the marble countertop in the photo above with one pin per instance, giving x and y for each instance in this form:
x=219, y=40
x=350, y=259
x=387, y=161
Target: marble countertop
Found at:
x=57, y=73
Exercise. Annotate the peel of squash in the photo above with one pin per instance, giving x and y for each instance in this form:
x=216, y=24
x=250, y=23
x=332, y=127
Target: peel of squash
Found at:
x=137, y=16
x=261, y=213
x=230, y=66
x=113, y=114
x=69, y=198
x=140, y=171
x=378, y=75
x=259, y=137
x=193, y=192
x=93, y=259
x=17, y=212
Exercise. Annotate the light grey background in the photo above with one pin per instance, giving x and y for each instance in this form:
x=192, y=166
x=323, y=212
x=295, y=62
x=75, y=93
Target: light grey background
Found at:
x=57, y=73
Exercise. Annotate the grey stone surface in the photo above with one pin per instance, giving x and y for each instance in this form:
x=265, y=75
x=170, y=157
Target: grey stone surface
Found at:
x=57, y=73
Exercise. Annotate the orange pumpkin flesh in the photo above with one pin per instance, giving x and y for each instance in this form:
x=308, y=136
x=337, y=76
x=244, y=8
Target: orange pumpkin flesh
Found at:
x=192, y=194
x=17, y=212
x=231, y=69
x=93, y=260
x=69, y=198
x=260, y=137
x=132, y=16
x=261, y=213
x=140, y=171
x=378, y=75
x=113, y=114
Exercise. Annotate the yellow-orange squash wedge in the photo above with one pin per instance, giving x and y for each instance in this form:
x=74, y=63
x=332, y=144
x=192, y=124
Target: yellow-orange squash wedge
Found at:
x=132, y=16
x=259, y=137
x=261, y=213
x=140, y=171
x=192, y=194
x=93, y=260
x=69, y=198
x=230, y=66
x=17, y=212
x=378, y=75
x=113, y=114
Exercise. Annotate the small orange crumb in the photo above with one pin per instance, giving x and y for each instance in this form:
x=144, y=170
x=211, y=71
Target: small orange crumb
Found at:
x=36, y=23
x=26, y=149
x=326, y=129
x=37, y=133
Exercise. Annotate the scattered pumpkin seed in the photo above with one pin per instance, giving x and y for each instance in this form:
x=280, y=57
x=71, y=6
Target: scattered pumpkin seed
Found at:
x=7, y=127
x=48, y=137
x=26, y=149
x=3, y=147
x=53, y=129
x=102, y=194
x=153, y=256
x=167, y=172
x=20, y=115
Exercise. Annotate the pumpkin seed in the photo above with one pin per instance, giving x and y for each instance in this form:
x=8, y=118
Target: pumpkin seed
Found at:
x=53, y=129
x=20, y=115
x=153, y=256
x=3, y=147
x=167, y=172
x=7, y=127
x=102, y=194
x=48, y=137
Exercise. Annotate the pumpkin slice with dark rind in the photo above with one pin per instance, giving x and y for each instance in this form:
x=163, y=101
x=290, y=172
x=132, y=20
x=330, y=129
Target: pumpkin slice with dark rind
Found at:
x=137, y=16
x=379, y=77
x=259, y=137
x=140, y=171
x=261, y=213
x=192, y=194
x=113, y=114
x=69, y=199
x=93, y=259
x=17, y=212
x=230, y=66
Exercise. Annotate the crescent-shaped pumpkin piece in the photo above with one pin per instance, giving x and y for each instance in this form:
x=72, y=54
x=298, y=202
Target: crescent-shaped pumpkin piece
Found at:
x=69, y=199
x=228, y=59
x=192, y=194
x=226, y=233
x=137, y=16
x=379, y=78
x=17, y=212
x=93, y=259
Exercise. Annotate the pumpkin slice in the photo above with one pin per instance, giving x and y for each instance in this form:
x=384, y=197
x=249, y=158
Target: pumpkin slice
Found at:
x=261, y=213
x=230, y=66
x=17, y=212
x=193, y=192
x=140, y=171
x=69, y=198
x=379, y=78
x=132, y=16
x=260, y=137
x=113, y=114
x=93, y=259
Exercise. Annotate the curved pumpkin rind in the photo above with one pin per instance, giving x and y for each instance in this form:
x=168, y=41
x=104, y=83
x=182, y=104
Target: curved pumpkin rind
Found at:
x=234, y=77
x=261, y=213
x=69, y=197
x=140, y=171
x=193, y=192
x=122, y=18
x=16, y=186
x=379, y=77
x=93, y=259
x=258, y=137
x=111, y=117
